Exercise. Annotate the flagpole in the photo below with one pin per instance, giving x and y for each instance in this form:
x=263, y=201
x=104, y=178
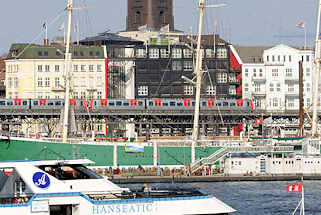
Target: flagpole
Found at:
x=46, y=30
x=305, y=38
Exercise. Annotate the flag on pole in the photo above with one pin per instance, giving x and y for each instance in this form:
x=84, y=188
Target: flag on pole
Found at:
x=76, y=28
x=300, y=25
x=294, y=188
x=44, y=25
x=62, y=27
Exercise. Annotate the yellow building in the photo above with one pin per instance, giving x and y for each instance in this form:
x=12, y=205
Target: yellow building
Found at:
x=35, y=71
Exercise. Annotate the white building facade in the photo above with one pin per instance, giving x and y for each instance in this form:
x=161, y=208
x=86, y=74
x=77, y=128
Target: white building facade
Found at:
x=272, y=79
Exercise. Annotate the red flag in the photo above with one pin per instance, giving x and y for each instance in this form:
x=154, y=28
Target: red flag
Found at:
x=300, y=25
x=294, y=188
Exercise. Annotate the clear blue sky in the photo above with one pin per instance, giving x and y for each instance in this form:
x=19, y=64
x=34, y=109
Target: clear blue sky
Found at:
x=242, y=22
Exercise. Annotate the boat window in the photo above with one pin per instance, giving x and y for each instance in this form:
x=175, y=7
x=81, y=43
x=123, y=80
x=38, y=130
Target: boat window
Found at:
x=126, y=103
x=150, y=103
x=225, y=104
x=70, y=172
x=219, y=104
x=179, y=104
x=193, y=104
x=232, y=104
x=111, y=104
x=2, y=103
x=58, y=103
x=165, y=104
x=172, y=103
x=50, y=103
x=118, y=103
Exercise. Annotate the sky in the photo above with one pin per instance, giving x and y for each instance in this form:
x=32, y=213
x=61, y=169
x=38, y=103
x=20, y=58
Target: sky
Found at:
x=241, y=22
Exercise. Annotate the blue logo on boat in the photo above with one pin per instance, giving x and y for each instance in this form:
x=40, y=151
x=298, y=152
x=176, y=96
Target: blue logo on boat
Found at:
x=41, y=180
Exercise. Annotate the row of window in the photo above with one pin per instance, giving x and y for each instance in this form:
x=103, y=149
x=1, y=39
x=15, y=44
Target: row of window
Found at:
x=277, y=87
x=76, y=68
x=75, y=53
x=77, y=81
x=285, y=58
x=275, y=72
x=179, y=53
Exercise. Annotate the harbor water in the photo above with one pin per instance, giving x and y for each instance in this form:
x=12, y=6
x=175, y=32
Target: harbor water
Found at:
x=260, y=198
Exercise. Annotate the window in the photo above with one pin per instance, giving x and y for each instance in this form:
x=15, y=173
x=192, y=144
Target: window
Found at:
x=188, y=90
x=39, y=82
x=99, y=81
x=91, y=53
x=99, y=68
x=290, y=58
x=153, y=53
x=47, y=68
x=284, y=58
x=257, y=87
x=308, y=87
x=188, y=65
x=187, y=53
x=275, y=102
x=211, y=90
x=39, y=68
x=291, y=103
x=140, y=53
x=279, y=58
x=45, y=53
x=75, y=53
x=57, y=81
x=39, y=53
x=75, y=68
x=307, y=72
x=308, y=58
x=267, y=58
x=91, y=68
x=56, y=68
x=232, y=90
x=91, y=82
x=246, y=74
x=275, y=73
x=83, y=94
x=261, y=73
x=221, y=77
x=83, y=81
x=254, y=72
x=15, y=82
x=164, y=53
x=9, y=82
x=221, y=53
x=47, y=81
x=176, y=66
x=273, y=58
x=83, y=68
x=288, y=72
x=143, y=91
x=97, y=53
x=177, y=53
x=291, y=88
x=278, y=87
x=246, y=87
x=210, y=53
x=271, y=87
x=76, y=83
x=58, y=53
x=99, y=94
x=81, y=53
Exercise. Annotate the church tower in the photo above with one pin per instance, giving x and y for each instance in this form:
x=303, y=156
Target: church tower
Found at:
x=153, y=13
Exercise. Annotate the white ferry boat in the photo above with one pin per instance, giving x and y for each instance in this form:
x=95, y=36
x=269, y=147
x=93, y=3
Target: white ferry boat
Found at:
x=67, y=187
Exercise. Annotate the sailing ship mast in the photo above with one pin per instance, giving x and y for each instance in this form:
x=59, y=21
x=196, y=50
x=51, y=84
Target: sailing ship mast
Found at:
x=67, y=72
x=198, y=72
x=317, y=60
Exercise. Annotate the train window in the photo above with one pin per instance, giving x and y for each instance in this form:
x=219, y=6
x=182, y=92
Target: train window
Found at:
x=118, y=103
x=219, y=104
x=24, y=103
x=165, y=104
x=58, y=103
x=150, y=103
x=2, y=103
x=204, y=104
x=140, y=103
x=111, y=103
x=81, y=103
x=50, y=103
x=172, y=103
x=179, y=104
x=193, y=104
x=225, y=104
x=232, y=104
x=35, y=103
x=10, y=103
x=126, y=103
x=248, y=103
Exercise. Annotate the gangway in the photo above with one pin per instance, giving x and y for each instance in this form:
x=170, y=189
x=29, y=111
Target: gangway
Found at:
x=222, y=152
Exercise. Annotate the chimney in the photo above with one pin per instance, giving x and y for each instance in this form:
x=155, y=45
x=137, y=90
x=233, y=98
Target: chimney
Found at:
x=46, y=42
